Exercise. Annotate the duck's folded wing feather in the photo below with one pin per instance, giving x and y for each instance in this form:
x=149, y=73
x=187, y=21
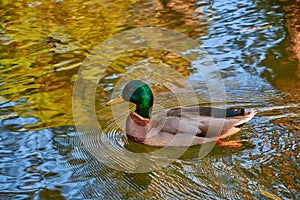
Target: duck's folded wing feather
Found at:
x=189, y=121
x=207, y=111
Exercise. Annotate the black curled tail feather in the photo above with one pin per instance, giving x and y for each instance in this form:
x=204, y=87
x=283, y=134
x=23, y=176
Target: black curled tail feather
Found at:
x=235, y=112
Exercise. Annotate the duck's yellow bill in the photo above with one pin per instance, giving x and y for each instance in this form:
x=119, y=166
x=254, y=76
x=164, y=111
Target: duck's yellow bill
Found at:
x=114, y=101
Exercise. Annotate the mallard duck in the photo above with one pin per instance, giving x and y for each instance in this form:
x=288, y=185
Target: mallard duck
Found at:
x=181, y=126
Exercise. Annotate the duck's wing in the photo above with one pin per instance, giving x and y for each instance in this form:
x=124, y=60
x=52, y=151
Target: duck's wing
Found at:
x=200, y=121
x=207, y=111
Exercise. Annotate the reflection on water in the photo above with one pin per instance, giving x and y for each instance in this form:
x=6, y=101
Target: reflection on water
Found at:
x=42, y=46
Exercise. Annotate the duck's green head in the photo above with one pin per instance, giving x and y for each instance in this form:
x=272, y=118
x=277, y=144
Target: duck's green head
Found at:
x=140, y=94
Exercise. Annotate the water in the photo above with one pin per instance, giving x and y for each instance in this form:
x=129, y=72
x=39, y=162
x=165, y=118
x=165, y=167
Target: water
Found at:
x=43, y=45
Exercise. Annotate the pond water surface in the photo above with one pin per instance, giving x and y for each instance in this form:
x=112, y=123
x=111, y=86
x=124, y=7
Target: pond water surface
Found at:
x=43, y=45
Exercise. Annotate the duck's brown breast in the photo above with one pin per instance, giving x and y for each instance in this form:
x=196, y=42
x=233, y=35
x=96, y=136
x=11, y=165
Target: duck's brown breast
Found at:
x=136, y=128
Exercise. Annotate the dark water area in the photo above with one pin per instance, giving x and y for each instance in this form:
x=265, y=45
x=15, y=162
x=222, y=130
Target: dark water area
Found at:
x=43, y=44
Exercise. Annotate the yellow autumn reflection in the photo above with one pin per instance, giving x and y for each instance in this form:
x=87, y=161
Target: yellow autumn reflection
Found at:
x=45, y=42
